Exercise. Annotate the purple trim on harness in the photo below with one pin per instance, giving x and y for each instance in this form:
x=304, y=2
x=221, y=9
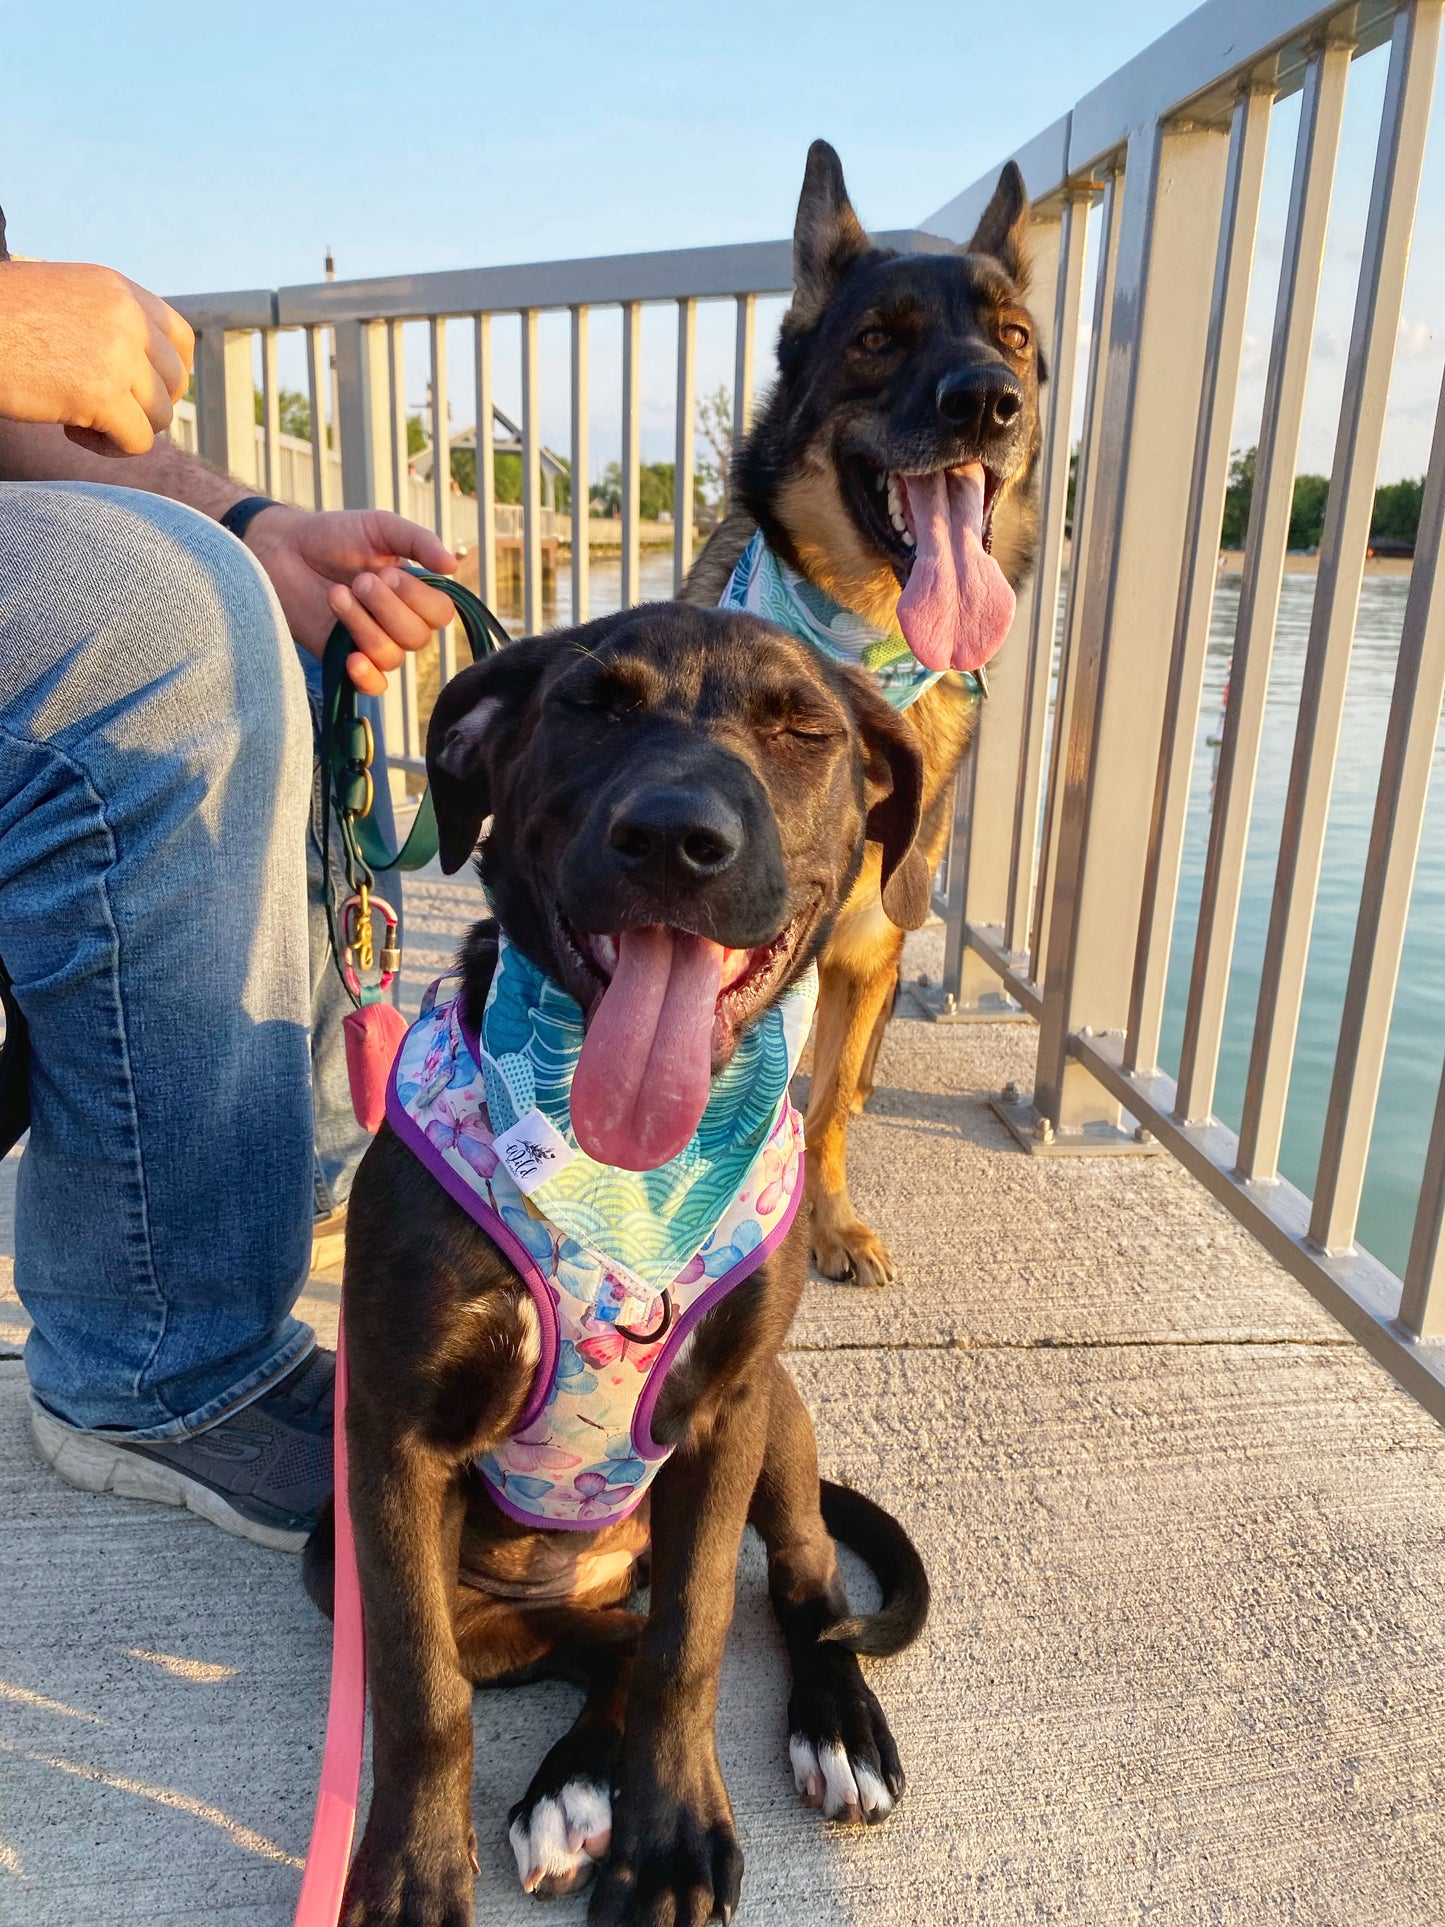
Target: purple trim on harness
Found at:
x=457, y=1188
x=643, y=1442
x=540, y=1524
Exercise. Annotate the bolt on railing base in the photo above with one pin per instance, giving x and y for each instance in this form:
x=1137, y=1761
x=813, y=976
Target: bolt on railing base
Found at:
x=930, y=1003
x=1036, y=1134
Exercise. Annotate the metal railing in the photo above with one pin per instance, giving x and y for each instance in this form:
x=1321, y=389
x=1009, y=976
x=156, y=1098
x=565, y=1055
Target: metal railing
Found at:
x=1064, y=880
x=1062, y=883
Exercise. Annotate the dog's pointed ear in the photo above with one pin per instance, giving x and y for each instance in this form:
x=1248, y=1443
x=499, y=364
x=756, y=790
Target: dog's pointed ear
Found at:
x=472, y=725
x=893, y=786
x=1003, y=230
x=827, y=235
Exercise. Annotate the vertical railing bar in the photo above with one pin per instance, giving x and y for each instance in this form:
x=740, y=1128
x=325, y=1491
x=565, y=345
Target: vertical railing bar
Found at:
x=581, y=461
x=400, y=457
x=1399, y=818
x=1422, y=1303
x=1399, y=159
x=1317, y=143
x=441, y=470
x=410, y=718
x=682, y=506
x=1054, y=466
x=531, y=477
x=631, y=458
x=486, y=462
x=1038, y=938
x=743, y=353
x=270, y=415
x=316, y=389
x=1249, y=134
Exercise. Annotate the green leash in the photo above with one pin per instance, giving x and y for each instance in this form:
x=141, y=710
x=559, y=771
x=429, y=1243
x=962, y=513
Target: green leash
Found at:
x=347, y=792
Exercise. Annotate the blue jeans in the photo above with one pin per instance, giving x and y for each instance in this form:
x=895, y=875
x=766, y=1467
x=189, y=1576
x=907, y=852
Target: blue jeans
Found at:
x=156, y=828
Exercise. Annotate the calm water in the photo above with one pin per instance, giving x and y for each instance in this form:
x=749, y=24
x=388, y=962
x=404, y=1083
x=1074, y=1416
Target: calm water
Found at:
x=1417, y=1037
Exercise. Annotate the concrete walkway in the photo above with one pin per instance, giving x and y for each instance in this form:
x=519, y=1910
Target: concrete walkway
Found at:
x=1187, y=1660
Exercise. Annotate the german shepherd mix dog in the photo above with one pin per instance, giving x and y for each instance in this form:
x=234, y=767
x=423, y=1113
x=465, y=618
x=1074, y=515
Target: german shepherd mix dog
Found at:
x=680, y=801
x=892, y=470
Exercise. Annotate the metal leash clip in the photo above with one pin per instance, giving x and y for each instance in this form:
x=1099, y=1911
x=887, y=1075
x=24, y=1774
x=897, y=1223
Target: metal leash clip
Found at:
x=358, y=934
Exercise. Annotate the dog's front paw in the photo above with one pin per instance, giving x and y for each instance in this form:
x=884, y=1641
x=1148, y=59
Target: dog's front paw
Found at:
x=844, y=1247
x=674, y=1858
x=845, y=1762
x=559, y=1833
x=422, y=1883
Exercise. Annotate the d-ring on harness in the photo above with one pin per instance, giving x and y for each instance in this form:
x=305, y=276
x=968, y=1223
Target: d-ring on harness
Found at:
x=346, y=795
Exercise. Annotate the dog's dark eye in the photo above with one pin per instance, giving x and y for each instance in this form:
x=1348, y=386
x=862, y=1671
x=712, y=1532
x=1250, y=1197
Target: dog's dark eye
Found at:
x=874, y=340
x=1014, y=335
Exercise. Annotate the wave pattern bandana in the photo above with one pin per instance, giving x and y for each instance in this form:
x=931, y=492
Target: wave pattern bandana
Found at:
x=763, y=585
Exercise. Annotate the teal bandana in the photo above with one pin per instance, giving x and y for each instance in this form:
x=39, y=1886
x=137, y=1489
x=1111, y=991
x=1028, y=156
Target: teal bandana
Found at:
x=762, y=585
x=650, y=1224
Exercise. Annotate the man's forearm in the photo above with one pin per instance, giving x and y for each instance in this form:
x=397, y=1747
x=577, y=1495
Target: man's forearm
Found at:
x=30, y=453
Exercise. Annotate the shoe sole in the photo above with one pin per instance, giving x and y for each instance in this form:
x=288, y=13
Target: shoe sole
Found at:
x=92, y=1464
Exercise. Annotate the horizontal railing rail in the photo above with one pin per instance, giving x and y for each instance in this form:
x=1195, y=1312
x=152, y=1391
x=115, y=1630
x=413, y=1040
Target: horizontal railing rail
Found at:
x=1061, y=889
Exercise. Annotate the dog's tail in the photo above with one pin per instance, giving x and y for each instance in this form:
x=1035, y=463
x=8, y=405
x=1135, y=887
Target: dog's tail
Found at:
x=886, y=1549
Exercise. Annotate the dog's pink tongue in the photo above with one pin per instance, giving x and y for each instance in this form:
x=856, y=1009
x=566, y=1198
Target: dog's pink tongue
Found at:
x=957, y=605
x=641, y=1083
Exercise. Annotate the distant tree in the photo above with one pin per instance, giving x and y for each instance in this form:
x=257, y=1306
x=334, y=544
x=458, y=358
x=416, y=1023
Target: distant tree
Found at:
x=714, y=469
x=656, y=484
x=295, y=412
x=1397, y=510
x=1307, y=513
x=1237, y=497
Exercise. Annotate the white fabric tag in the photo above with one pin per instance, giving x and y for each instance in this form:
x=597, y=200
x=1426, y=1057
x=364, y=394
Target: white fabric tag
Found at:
x=533, y=1150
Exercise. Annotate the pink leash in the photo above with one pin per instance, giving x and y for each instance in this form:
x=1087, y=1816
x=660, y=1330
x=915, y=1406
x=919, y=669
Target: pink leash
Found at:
x=329, y=1854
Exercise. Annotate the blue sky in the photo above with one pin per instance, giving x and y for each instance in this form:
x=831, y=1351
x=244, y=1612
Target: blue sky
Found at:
x=230, y=147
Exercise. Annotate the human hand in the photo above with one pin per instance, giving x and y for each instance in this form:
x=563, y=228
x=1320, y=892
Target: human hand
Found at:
x=341, y=565
x=87, y=349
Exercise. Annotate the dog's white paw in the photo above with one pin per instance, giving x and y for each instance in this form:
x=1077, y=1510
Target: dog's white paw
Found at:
x=844, y=1788
x=559, y=1841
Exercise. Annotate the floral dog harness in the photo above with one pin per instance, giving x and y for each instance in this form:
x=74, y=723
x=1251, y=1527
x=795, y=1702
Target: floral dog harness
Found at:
x=621, y=1265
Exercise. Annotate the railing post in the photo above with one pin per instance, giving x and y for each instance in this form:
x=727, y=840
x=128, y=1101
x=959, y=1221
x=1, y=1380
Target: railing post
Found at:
x=631, y=441
x=686, y=443
x=270, y=476
x=1172, y=194
x=744, y=348
x=486, y=462
x=532, y=616
x=1198, y=574
x=226, y=403
x=317, y=387
x=581, y=460
x=363, y=391
x=363, y=411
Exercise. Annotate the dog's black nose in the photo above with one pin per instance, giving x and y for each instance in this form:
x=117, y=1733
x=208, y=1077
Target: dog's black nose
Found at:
x=682, y=835
x=981, y=400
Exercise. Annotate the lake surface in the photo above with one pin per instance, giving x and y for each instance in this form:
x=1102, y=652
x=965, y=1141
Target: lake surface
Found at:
x=1417, y=1036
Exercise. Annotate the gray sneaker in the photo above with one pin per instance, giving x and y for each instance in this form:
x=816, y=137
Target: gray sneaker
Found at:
x=263, y=1473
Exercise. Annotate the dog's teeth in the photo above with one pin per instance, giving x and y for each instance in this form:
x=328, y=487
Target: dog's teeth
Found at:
x=899, y=523
x=604, y=949
x=907, y=539
x=895, y=503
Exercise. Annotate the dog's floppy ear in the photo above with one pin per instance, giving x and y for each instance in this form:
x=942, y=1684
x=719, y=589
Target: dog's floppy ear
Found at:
x=1003, y=230
x=893, y=780
x=827, y=235
x=468, y=728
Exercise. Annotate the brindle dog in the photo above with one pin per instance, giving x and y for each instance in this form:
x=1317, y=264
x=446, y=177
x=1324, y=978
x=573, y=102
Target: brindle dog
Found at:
x=890, y=367
x=707, y=774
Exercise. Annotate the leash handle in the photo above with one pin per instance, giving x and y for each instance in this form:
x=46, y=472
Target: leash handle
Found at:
x=347, y=786
x=329, y=1855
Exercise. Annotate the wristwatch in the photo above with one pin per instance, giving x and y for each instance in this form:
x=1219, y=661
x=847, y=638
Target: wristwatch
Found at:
x=240, y=515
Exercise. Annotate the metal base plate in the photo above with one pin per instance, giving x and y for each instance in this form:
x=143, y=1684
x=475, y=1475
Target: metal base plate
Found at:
x=1092, y=1141
x=929, y=1003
